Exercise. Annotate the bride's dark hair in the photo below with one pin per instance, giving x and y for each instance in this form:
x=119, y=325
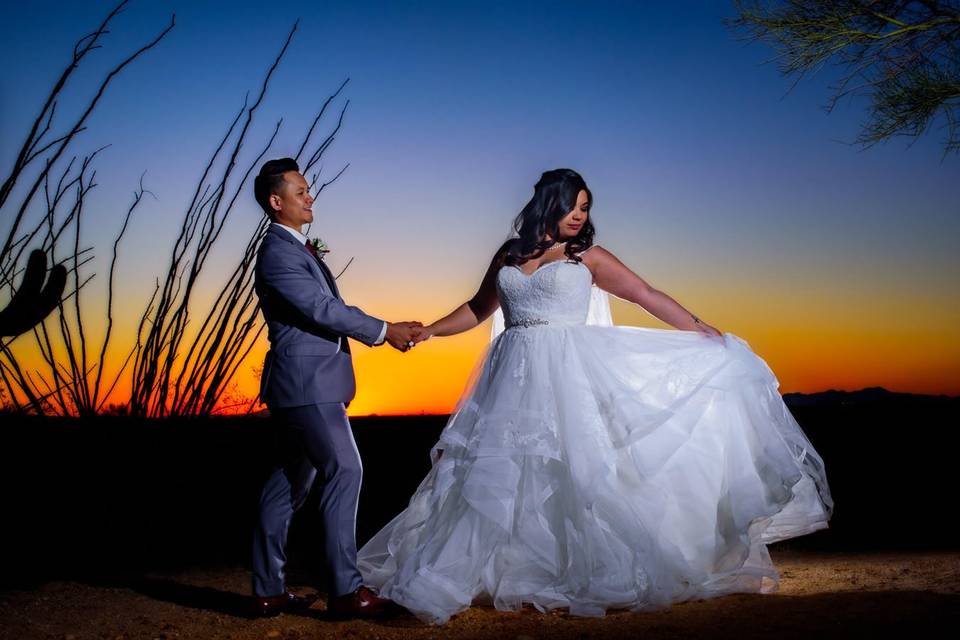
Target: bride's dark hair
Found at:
x=554, y=196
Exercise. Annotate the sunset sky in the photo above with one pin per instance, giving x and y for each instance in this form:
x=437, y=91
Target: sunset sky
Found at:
x=712, y=180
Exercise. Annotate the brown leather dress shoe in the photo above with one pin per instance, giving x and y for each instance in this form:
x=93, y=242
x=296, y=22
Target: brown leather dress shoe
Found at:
x=362, y=603
x=269, y=606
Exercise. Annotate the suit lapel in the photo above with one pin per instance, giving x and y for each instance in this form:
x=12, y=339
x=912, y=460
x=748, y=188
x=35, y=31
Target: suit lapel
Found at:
x=328, y=276
x=332, y=283
x=324, y=270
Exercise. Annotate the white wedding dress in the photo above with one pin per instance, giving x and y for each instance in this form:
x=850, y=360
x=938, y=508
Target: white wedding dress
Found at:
x=600, y=467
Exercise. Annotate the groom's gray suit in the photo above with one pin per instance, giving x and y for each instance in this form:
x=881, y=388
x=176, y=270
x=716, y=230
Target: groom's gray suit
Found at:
x=307, y=377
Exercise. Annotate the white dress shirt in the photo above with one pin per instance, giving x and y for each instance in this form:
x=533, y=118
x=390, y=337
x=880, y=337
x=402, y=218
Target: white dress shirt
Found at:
x=302, y=239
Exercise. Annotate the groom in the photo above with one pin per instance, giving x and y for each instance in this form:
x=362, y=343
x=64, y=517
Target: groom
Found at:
x=307, y=377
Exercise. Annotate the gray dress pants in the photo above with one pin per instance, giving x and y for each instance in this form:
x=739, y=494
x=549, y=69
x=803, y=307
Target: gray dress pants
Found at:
x=315, y=438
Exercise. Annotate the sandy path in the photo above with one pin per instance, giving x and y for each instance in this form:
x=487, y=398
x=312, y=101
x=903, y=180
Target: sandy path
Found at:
x=885, y=594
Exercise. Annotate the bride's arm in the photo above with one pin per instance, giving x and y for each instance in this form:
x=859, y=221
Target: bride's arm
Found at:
x=613, y=276
x=475, y=310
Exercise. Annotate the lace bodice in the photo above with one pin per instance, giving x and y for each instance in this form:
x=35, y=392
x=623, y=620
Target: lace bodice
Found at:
x=557, y=293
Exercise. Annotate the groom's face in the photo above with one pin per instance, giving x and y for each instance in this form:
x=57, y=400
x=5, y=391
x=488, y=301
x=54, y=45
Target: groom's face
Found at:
x=293, y=204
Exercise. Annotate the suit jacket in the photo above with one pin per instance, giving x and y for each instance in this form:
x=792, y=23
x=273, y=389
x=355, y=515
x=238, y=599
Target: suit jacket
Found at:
x=307, y=326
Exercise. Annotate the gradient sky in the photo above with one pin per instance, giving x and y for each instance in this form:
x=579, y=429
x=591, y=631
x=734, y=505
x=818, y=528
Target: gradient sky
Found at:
x=741, y=199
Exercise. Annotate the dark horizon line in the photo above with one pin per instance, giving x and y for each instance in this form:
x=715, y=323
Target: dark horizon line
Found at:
x=795, y=398
x=875, y=391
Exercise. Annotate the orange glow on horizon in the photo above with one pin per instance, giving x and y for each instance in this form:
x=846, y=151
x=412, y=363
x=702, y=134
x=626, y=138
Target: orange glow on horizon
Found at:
x=867, y=344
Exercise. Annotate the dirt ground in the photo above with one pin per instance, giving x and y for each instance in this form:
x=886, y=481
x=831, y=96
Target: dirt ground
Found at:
x=879, y=594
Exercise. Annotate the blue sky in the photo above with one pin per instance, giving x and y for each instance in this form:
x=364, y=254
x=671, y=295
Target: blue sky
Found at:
x=711, y=179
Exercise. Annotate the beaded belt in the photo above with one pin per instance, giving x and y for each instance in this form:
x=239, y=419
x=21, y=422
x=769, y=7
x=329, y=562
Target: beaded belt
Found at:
x=526, y=323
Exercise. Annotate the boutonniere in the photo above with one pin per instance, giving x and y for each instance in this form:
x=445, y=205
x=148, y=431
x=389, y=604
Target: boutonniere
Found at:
x=320, y=247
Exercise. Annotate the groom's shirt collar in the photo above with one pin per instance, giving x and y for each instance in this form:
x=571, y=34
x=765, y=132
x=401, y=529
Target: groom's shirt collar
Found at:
x=302, y=239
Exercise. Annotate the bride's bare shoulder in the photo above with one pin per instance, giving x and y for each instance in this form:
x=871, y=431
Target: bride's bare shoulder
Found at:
x=595, y=254
x=601, y=261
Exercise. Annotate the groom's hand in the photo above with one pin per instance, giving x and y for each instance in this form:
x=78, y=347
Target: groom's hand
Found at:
x=403, y=335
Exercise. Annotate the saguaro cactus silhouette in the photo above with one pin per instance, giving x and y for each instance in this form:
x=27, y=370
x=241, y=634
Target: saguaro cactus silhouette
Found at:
x=33, y=300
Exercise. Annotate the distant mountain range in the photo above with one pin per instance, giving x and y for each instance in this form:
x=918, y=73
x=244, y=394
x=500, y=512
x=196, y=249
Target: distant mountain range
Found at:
x=868, y=396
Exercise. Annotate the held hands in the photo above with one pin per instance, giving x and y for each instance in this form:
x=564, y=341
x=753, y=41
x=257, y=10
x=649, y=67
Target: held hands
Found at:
x=403, y=336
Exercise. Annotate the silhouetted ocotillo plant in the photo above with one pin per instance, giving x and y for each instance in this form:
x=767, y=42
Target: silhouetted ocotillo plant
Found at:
x=174, y=370
x=42, y=200
x=175, y=374
x=33, y=300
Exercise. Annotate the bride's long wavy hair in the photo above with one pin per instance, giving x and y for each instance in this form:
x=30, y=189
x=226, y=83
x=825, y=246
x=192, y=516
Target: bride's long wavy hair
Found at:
x=554, y=196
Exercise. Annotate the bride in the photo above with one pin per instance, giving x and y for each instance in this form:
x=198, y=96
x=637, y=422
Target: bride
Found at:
x=591, y=466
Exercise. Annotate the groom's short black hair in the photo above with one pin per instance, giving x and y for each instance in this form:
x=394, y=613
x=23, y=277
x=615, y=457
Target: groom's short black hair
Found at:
x=270, y=180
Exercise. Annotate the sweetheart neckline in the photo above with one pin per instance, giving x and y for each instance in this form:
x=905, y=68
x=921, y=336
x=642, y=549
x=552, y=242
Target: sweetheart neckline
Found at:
x=542, y=266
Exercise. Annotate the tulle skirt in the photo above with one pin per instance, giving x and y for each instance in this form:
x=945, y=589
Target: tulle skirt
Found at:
x=597, y=468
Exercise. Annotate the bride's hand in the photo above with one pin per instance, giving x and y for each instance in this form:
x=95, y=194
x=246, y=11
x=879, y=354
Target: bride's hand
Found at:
x=707, y=330
x=422, y=334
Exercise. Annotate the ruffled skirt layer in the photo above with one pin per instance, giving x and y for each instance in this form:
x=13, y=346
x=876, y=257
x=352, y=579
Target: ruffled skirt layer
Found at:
x=599, y=468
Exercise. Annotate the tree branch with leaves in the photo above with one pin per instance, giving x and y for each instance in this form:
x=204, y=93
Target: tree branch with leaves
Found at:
x=904, y=57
